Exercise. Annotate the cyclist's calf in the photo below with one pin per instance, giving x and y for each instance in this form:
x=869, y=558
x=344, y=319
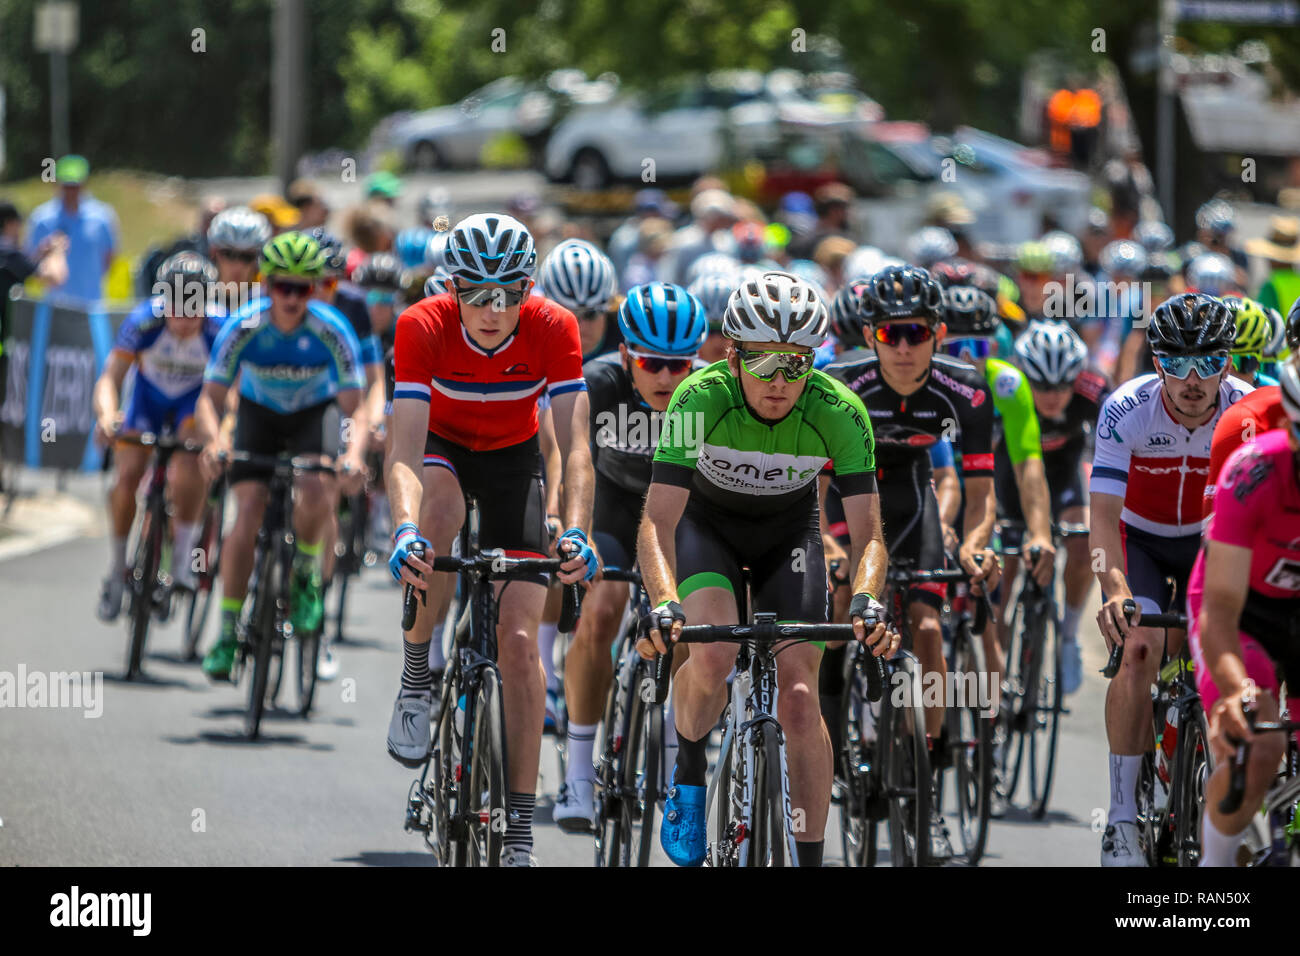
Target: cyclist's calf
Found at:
x=313, y=506
x=237, y=548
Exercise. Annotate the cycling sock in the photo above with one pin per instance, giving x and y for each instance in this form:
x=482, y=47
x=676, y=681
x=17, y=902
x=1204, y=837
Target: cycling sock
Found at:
x=692, y=761
x=1217, y=849
x=809, y=854
x=1124, y=772
x=118, y=554
x=310, y=552
x=182, y=541
x=1070, y=622
x=230, y=608
x=437, y=660
x=546, y=647
x=582, y=741
x=415, y=669
x=519, y=822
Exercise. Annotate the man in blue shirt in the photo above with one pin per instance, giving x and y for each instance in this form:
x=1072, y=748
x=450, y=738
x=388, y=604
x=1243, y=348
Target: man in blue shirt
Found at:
x=90, y=226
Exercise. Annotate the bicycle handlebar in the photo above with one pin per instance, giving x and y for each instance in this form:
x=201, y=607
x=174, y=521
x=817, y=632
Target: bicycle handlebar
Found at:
x=161, y=442
x=1232, y=800
x=1166, y=620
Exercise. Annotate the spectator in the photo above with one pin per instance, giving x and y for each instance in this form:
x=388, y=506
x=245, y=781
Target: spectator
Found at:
x=798, y=212
x=1129, y=183
x=830, y=254
x=306, y=196
x=646, y=263
x=195, y=242
x=1096, y=236
x=1282, y=249
x=831, y=202
x=90, y=227
x=712, y=210
x=949, y=210
x=623, y=242
x=278, y=213
x=383, y=187
x=369, y=228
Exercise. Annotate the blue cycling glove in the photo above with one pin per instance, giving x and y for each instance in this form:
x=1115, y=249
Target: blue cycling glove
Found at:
x=406, y=535
x=581, y=549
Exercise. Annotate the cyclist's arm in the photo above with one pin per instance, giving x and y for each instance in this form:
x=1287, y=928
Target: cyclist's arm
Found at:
x=867, y=543
x=553, y=460
x=572, y=417
x=404, y=464
x=981, y=513
x=1104, y=540
x=356, y=431
x=947, y=488
x=207, y=421
x=1031, y=481
x=656, y=542
x=108, y=387
x=375, y=393
x=830, y=546
x=1227, y=579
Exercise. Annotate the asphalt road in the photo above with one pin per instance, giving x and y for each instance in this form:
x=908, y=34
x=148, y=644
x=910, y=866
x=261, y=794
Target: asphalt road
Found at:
x=164, y=776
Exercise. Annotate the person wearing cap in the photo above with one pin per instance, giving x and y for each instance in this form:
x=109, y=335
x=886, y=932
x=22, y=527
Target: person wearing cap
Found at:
x=384, y=187
x=949, y=210
x=831, y=202
x=626, y=239
x=282, y=216
x=1281, y=247
x=712, y=211
x=90, y=226
x=306, y=196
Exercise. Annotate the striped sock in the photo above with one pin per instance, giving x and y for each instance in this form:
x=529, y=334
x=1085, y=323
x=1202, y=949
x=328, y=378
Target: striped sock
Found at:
x=415, y=669
x=519, y=822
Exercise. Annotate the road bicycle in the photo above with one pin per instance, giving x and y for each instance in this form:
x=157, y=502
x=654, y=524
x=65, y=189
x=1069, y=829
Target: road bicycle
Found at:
x=1271, y=839
x=207, y=572
x=353, y=550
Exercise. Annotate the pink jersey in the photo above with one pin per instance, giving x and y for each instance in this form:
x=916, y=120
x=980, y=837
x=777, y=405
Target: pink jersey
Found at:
x=1257, y=506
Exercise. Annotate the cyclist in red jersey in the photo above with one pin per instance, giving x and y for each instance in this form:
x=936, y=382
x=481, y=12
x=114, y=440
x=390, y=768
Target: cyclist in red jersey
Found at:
x=1242, y=602
x=470, y=366
x=1258, y=412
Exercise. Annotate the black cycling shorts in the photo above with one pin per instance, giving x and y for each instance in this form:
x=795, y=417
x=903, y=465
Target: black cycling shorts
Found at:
x=909, y=512
x=1064, y=487
x=508, y=484
x=616, y=515
x=1149, y=560
x=786, y=560
x=261, y=431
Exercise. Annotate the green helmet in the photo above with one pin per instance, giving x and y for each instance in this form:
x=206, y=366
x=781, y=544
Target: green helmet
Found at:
x=293, y=254
x=1035, y=258
x=1254, y=327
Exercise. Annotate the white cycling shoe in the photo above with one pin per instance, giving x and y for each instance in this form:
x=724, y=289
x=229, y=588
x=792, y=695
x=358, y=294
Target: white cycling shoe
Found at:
x=1120, y=847
x=512, y=856
x=575, y=807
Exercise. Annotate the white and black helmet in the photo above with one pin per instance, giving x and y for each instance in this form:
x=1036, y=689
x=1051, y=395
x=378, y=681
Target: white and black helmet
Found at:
x=490, y=247
x=1288, y=377
x=776, y=307
x=1066, y=253
x=1050, y=353
x=577, y=275
x=930, y=244
x=240, y=229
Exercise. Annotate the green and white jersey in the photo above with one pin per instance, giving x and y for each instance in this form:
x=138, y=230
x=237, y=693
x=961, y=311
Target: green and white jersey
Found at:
x=713, y=444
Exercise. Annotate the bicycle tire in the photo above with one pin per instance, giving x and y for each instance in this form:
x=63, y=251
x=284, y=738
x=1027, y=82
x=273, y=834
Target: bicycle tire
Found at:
x=1011, y=715
x=308, y=660
x=609, y=769
x=485, y=808
x=857, y=760
x=143, y=580
x=908, y=778
x=200, y=601
x=1194, y=762
x=1043, y=725
x=340, y=608
x=261, y=640
x=641, y=766
x=767, y=826
x=722, y=851
x=444, y=758
x=971, y=737
x=1150, y=818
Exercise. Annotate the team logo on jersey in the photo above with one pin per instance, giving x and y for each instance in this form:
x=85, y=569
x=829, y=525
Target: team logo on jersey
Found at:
x=519, y=368
x=1160, y=440
x=1247, y=474
x=1006, y=383
x=977, y=399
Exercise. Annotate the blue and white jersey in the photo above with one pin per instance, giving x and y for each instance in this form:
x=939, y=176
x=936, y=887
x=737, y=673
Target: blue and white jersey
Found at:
x=287, y=372
x=173, y=366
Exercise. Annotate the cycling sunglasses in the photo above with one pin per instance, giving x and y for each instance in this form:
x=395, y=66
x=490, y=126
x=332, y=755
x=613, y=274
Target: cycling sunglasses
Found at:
x=654, y=364
x=380, y=297
x=236, y=255
x=483, y=295
x=978, y=348
x=290, y=289
x=589, y=315
x=764, y=365
x=914, y=332
x=1180, y=366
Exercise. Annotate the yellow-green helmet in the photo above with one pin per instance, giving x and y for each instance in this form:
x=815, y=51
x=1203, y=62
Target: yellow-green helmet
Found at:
x=1255, y=329
x=293, y=254
x=1035, y=258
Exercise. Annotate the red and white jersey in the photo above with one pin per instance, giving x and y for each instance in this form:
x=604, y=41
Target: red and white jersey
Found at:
x=1155, y=464
x=483, y=399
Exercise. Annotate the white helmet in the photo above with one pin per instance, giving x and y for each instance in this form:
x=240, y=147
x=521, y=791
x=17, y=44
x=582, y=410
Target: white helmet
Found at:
x=577, y=275
x=239, y=228
x=1050, y=353
x=713, y=263
x=1066, y=253
x=714, y=292
x=776, y=307
x=1212, y=274
x=490, y=247
x=929, y=245
x=862, y=262
x=1288, y=376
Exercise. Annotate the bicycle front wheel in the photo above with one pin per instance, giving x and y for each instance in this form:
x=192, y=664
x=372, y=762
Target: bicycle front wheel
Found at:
x=308, y=660
x=205, y=578
x=1043, y=720
x=858, y=764
x=1195, y=763
x=907, y=775
x=484, y=805
x=143, y=581
x=767, y=824
x=641, y=765
x=971, y=737
x=261, y=638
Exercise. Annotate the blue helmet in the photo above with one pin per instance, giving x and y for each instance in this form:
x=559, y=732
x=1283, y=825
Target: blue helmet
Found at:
x=663, y=318
x=411, y=245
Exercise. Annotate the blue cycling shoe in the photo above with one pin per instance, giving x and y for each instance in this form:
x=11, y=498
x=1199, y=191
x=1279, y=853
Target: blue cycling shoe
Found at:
x=682, y=833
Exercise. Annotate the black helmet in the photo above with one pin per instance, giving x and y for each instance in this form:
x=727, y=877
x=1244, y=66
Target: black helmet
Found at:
x=1293, y=327
x=971, y=312
x=383, y=270
x=846, y=315
x=1192, y=323
x=900, y=292
x=332, y=246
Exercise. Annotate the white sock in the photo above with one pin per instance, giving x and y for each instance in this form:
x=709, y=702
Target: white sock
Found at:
x=1070, y=623
x=437, y=661
x=1217, y=849
x=1124, y=772
x=182, y=542
x=546, y=647
x=582, y=745
x=117, y=553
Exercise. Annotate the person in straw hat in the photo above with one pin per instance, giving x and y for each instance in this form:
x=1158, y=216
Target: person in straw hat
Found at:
x=1282, y=250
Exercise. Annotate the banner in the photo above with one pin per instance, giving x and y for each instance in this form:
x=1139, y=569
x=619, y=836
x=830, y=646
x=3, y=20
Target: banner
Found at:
x=55, y=353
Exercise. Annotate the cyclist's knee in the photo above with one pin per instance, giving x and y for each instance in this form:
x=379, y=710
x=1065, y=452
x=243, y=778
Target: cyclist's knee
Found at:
x=799, y=709
x=711, y=663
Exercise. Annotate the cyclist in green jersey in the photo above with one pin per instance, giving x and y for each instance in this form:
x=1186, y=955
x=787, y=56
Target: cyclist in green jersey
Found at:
x=734, y=485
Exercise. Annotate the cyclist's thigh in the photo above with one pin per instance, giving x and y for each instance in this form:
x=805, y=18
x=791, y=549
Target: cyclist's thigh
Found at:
x=442, y=507
x=1145, y=570
x=132, y=460
x=709, y=582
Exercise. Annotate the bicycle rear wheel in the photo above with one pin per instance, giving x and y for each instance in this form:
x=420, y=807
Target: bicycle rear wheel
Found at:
x=907, y=775
x=143, y=581
x=970, y=737
x=261, y=638
x=205, y=580
x=1195, y=763
x=485, y=803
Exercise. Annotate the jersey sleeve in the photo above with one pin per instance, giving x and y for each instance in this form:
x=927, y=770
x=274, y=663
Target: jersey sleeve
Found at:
x=1241, y=503
x=414, y=350
x=850, y=442
x=1019, y=420
x=941, y=454
x=977, y=434
x=1228, y=436
x=564, y=354
x=1110, y=461
x=129, y=338
x=228, y=350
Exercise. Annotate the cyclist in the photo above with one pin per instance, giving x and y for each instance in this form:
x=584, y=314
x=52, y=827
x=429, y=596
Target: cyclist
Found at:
x=1256, y=326
x=713, y=290
x=1148, y=475
x=1242, y=601
x=734, y=485
x=1068, y=398
x=168, y=338
x=662, y=326
x=235, y=239
x=295, y=357
x=487, y=341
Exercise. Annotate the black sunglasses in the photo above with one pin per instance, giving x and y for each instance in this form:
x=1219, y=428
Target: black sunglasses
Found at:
x=237, y=255
x=290, y=289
